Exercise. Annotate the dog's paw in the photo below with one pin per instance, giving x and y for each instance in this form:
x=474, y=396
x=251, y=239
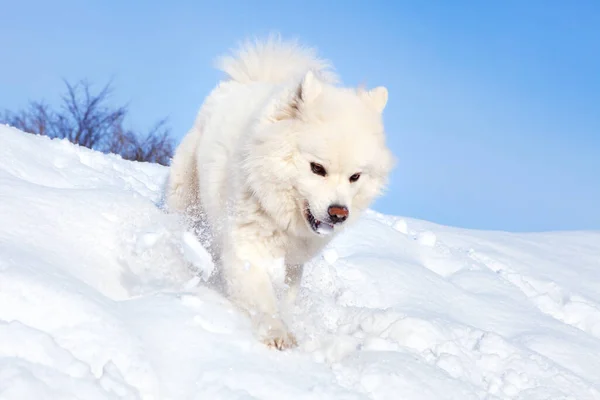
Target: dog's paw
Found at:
x=275, y=334
x=285, y=341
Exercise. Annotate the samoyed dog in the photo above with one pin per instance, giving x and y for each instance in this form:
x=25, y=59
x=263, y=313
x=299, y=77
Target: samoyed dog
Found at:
x=279, y=160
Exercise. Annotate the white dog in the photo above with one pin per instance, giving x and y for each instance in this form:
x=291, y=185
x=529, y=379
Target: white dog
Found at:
x=278, y=160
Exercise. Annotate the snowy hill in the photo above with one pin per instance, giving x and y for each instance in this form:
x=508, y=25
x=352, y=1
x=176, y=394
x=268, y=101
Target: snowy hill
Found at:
x=97, y=301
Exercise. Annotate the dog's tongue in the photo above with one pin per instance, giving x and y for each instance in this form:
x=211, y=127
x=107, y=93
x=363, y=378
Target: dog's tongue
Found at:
x=324, y=228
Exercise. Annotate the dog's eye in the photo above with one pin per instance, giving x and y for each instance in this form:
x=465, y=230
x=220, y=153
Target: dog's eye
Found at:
x=354, y=177
x=318, y=169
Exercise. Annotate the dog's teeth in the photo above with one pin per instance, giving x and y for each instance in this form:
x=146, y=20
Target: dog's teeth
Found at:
x=325, y=229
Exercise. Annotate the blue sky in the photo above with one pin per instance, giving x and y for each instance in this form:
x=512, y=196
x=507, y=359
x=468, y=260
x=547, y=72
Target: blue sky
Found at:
x=494, y=109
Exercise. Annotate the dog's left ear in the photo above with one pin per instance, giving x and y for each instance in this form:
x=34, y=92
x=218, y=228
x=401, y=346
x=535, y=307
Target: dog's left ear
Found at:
x=377, y=97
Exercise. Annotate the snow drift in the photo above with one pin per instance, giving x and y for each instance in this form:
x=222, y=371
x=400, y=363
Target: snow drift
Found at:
x=102, y=296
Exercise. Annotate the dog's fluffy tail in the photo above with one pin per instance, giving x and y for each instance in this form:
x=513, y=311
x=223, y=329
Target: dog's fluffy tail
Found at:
x=275, y=61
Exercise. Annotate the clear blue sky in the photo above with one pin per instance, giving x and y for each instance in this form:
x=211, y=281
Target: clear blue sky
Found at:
x=494, y=110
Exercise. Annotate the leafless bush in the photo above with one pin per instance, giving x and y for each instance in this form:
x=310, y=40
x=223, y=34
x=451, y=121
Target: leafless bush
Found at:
x=156, y=146
x=85, y=118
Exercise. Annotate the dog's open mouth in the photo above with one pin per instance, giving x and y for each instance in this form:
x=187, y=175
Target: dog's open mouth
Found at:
x=319, y=227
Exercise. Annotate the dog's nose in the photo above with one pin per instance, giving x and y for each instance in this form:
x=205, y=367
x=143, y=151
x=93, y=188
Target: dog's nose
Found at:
x=337, y=213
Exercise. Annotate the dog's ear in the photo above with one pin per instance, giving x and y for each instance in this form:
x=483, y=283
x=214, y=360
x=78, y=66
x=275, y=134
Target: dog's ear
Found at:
x=310, y=88
x=377, y=97
x=307, y=91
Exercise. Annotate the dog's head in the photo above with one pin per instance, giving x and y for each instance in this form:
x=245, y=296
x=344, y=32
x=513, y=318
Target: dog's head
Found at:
x=324, y=151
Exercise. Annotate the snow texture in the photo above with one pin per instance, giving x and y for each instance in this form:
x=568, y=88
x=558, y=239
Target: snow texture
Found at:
x=103, y=295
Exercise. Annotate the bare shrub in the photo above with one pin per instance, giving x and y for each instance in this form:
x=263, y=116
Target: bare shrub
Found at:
x=86, y=118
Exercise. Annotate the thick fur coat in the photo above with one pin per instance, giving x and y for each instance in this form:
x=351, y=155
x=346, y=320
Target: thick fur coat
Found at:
x=278, y=161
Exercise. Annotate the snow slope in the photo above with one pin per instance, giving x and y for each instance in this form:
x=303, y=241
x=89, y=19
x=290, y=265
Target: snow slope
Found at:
x=97, y=301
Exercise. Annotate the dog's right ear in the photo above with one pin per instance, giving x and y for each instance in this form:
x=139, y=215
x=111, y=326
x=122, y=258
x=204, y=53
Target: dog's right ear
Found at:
x=307, y=91
x=310, y=88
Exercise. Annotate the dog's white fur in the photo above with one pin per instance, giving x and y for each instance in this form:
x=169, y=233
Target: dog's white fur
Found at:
x=245, y=166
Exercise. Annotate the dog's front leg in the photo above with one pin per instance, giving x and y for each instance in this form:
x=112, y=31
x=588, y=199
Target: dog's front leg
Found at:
x=248, y=271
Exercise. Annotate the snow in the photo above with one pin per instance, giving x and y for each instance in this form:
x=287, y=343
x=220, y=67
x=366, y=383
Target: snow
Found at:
x=427, y=238
x=104, y=296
